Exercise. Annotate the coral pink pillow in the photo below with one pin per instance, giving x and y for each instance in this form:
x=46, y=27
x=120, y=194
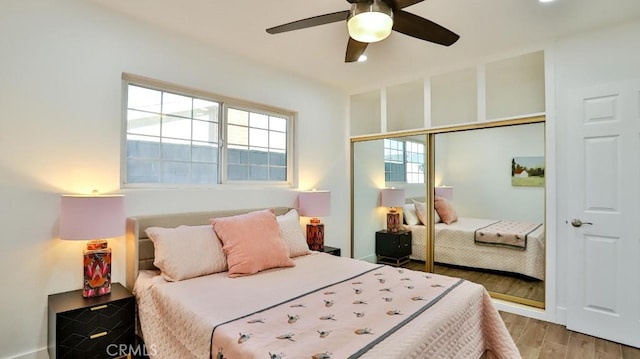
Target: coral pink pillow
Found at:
x=252, y=242
x=445, y=210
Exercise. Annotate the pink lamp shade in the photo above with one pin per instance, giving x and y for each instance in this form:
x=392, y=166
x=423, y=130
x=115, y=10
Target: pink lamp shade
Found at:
x=444, y=192
x=315, y=204
x=392, y=197
x=93, y=218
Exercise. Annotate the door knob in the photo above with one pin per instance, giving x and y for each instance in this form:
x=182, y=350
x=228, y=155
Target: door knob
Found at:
x=578, y=223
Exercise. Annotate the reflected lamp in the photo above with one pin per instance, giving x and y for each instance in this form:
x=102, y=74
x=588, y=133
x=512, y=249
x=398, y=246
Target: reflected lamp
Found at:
x=444, y=192
x=392, y=198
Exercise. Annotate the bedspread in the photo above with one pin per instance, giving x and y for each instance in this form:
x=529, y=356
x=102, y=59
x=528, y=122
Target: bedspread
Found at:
x=343, y=320
x=506, y=233
x=178, y=318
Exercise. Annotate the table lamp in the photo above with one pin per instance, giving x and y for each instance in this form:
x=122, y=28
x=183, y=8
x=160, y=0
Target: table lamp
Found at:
x=93, y=218
x=315, y=204
x=392, y=198
x=444, y=192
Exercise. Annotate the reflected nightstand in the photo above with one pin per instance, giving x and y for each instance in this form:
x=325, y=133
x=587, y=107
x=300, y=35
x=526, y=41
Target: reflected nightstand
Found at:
x=393, y=247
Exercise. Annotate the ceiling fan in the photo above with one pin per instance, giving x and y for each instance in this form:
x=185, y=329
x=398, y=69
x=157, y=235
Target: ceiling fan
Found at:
x=372, y=20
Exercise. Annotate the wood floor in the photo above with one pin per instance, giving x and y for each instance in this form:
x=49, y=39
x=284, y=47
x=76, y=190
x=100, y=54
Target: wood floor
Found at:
x=537, y=339
x=522, y=287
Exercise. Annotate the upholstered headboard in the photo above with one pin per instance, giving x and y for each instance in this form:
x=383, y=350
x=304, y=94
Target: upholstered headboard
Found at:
x=140, y=250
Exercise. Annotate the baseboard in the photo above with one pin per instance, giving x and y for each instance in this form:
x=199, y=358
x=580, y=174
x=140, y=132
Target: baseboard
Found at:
x=36, y=354
x=370, y=258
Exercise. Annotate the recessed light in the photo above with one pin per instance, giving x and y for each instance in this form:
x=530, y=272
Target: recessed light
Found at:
x=362, y=58
x=543, y=1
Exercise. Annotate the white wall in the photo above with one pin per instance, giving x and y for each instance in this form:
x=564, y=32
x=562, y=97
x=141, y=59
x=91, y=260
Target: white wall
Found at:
x=599, y=57
x=60, y=127
x=478, y=166
x=368, y=216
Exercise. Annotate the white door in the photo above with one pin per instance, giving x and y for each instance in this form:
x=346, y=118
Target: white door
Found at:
x=603, y=296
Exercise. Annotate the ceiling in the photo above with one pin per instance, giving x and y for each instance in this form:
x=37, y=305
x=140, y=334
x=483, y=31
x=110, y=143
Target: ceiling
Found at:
x=488, y=29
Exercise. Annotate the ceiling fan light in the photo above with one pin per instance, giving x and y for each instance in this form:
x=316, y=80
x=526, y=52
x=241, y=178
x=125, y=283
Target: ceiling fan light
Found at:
x=370, y=22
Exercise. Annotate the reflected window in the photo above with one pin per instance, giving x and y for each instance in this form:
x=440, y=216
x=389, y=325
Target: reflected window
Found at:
x=404, y=161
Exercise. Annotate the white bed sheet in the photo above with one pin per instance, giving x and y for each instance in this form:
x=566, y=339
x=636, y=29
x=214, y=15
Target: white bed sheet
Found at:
x=454, y=244
x=177, y=317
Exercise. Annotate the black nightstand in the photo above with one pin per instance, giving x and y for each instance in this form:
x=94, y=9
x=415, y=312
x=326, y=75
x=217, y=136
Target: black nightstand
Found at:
x=393, y=247
x=332, y=250
x=99, y=327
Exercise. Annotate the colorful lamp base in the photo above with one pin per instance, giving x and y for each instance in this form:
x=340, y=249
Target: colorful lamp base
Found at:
x=97, y=269
x=315, y=236
x=393, y=221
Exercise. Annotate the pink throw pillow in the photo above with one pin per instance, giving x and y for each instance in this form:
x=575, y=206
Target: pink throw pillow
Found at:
x=252, y=242
x=445, y=210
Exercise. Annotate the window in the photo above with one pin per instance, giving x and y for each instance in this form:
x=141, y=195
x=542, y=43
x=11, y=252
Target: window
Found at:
x=404, y=161
x=174, y=137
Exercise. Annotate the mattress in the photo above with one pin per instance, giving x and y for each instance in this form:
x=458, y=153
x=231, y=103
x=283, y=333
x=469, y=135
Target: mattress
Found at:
x=455, y=244
x=178, y=318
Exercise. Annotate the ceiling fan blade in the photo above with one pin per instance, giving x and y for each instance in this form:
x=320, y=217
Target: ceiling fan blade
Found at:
x=354, y=50
x=310, y=22
x=401, y=4
x=421, y=28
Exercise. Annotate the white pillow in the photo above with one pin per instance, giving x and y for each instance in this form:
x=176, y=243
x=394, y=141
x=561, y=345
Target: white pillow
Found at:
x=187, y=251
x=410, y=215
x=292, y=234
x=421, y=212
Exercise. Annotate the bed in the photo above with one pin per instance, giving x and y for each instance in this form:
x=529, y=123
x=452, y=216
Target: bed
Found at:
x=321, y=307
x=457, y=243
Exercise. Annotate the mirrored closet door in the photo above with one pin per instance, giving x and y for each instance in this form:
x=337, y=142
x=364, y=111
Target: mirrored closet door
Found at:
x=492, y=180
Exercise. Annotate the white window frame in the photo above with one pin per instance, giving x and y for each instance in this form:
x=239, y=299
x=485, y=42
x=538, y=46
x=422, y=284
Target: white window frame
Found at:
x=224, y=103
x=405, y=163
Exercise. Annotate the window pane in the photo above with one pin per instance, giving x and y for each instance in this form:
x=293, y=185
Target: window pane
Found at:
x=238, y=155
x=258, y=157
x=259, y=120
x=205, y=131
x=258, y=173
x=277, y=158
x=176, y=150
x=278, y=124
x=143, y=171
x=143, y=123
x=176, y=105
x=237, y=135
x=176, y=172
x=277, y=140
x=204, y=173
x=176, y=127
x=238, y=172
x=277, y=173
x=237, y=117
x=204, y=152
x=205, y=110
x=259, y=138
x=143, y=147
x=144, y=99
